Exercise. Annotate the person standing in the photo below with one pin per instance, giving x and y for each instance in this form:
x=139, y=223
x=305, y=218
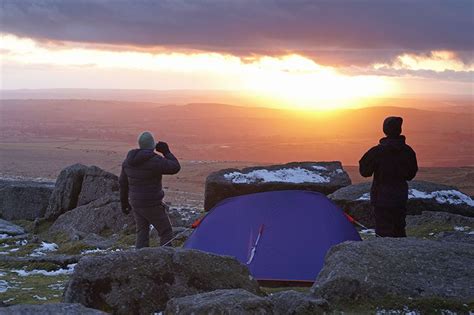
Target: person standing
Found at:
x=141, y=188
x=392, y=163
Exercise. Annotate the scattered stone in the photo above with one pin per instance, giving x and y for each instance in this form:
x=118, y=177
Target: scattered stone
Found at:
x=10, y=228
x=24, y=200
x=293, y=303
x=143, y=281
x=99, y=216
x=96, y=184
x=423, y=196
x=236, y=301
x=62, y=261
x=405, y=268
x=183, y=217
x=49, y=309
x=98, y=241
x=324, y=177
x=66, y=191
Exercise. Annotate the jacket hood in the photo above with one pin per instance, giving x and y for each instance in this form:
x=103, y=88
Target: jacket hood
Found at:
x=137, y=157
x=393, y=143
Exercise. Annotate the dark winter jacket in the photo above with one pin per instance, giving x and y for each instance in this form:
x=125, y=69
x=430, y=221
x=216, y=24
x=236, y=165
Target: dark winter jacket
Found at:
x=392, y=163
x=140, y=179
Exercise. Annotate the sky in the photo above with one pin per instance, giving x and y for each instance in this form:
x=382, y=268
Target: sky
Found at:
x=294, y=51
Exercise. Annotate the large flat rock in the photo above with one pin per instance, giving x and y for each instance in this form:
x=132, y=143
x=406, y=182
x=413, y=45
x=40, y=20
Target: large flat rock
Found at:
x=423, y=196
x=143, y=281
x=11, y=229
x=24, y=199
x=323, y=177
x=398, y=268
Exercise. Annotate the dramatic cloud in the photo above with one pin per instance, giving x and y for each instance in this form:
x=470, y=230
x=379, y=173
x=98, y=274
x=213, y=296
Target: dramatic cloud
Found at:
x=338, y=32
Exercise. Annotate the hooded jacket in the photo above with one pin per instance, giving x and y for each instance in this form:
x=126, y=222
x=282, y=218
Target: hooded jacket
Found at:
x=140, y=179
x=392, y=163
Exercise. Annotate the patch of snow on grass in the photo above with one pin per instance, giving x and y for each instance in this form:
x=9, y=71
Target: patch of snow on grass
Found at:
x=67, y=271
x=92, y=251
x=4, y=236
x=461, y=228
x=4, y=286
x=286, y=175
x=368, y=231
x=40, y=298
x=45, y=247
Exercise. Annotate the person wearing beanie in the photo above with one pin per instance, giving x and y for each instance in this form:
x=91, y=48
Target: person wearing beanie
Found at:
x=392, y=163
x=141, y=189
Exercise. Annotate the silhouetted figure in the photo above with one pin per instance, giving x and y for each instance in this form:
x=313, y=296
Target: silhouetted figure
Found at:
x=141, y=188
x=392, y=163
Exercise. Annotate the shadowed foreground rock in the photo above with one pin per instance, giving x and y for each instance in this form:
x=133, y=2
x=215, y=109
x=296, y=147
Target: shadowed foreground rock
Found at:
x=297, y=303
x=423, y=196
x=49, y=309
x=397, y=268
x=24, y=200
x=323, y=177
x=144, y=281
x=101, y=215
x=235, y=301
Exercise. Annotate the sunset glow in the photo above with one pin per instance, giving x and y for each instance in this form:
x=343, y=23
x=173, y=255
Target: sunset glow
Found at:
x=286, y=81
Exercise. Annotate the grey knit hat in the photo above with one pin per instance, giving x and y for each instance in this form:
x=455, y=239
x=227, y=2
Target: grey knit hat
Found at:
x=146, y=141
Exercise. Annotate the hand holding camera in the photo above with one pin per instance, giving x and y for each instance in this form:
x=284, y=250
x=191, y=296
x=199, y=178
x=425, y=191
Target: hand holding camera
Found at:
x=162, y=147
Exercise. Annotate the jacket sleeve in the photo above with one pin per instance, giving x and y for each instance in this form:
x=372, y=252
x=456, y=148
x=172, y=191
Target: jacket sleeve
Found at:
x=123, y=181
x=368, y=163
x=169, y=165
x=412, y=167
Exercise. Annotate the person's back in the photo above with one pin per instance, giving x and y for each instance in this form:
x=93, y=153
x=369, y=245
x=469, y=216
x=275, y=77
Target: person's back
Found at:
x=141, y=187
x=392, y=163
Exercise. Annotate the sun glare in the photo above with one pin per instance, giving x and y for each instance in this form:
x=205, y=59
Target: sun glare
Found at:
x=291, y=81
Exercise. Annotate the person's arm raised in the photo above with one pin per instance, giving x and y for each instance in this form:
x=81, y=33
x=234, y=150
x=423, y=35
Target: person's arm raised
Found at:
x=170, y=164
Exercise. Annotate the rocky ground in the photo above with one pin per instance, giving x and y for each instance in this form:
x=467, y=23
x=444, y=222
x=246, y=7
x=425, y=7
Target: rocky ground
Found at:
x=81, y=221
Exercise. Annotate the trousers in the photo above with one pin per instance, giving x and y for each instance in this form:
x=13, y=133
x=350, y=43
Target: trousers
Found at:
x=156, y=216
x=390, y=222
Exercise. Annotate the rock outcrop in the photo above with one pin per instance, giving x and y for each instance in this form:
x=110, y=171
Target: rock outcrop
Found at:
x=24, y=200
x=297, y=303
x=96, y=184
x=9, y=228
x=324, y=177
x=423, y=196
x=143, y=281
x=404, y=268
x=49, y=309
x=236, y=301
x=99, y=216
x=66, y=191
x=78, y=185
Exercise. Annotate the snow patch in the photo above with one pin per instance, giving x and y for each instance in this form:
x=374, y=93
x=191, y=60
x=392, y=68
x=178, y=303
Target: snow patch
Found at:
x=4, y=286
x=66, y=271
x=40, y=298
x=368, y=232
x=45, y=247
x=93, y=251
x=4, y=236
x=319, y=168
x=453, y=197
x=295, y=175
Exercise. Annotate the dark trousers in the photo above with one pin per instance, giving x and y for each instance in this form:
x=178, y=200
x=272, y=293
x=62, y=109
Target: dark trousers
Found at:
x=390, y=222
x=156, y=216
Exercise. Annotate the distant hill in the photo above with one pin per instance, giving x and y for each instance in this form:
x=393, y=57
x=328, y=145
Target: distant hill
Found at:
x=210, y=131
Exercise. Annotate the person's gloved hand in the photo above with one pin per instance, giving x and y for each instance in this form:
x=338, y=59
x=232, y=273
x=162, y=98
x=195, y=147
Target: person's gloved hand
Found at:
x=162, y=147
x=126, y=208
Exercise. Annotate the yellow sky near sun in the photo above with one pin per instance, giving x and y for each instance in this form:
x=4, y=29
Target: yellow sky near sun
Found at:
x=286, y=80
x=289, y=81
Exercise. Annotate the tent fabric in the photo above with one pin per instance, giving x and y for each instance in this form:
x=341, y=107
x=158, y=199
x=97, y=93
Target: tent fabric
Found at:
x=279, y=235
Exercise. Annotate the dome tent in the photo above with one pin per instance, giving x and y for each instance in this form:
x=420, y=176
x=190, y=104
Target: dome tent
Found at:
x=282, y=236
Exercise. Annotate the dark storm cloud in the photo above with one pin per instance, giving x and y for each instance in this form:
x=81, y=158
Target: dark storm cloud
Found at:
x=337, y=31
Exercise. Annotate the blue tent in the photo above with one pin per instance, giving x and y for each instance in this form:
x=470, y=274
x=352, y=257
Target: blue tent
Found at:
x=282, y=236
